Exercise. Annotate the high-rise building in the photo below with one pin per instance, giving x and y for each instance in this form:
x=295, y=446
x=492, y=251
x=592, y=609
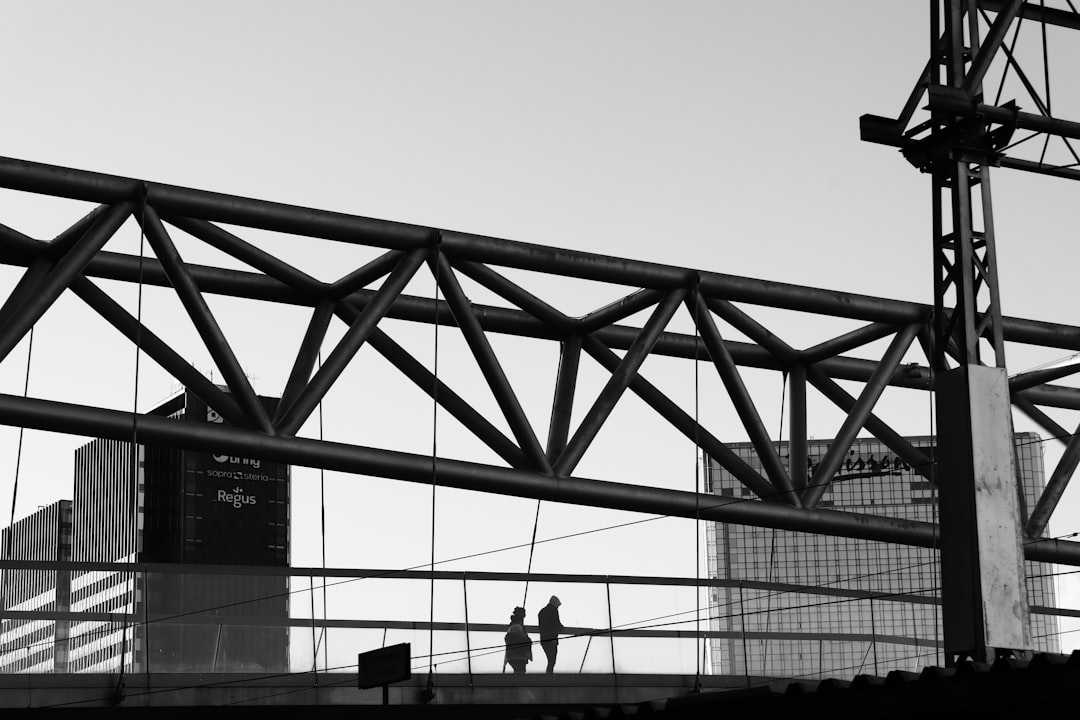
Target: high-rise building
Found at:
x=205, y=532
x=29, y=644
x=803, y=605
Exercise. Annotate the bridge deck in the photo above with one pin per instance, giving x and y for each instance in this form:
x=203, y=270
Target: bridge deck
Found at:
x=339, y=690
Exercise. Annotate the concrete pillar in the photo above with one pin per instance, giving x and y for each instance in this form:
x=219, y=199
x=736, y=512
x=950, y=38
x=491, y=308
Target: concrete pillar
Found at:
x=984, y=596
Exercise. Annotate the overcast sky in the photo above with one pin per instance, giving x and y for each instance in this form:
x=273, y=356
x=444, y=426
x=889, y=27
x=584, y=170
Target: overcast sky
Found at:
x=720, y=136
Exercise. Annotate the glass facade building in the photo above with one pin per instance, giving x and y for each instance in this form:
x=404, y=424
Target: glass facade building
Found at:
x=802, y=605
x=204, y=524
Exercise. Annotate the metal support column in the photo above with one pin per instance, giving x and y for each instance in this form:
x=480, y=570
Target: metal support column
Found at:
x=985, y=611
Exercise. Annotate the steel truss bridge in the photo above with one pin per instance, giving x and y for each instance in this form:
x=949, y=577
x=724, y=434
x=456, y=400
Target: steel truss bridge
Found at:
x=964, y=135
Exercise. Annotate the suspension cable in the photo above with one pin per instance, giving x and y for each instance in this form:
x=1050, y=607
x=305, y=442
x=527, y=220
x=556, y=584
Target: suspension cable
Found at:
x=325, y=637
x=434, y=454
x=698, y=654
x=532, y=547
x=8, y=549
x=319, y=639
x=133, y=484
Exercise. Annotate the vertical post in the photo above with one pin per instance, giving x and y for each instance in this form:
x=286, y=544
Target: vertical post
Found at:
x=984, y=600
x=873, y=633
x=742, y=629
x=611, y=626
x=314, y=644
x=468, y=647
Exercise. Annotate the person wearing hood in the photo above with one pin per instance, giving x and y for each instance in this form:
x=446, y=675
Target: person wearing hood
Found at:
x=550, y=627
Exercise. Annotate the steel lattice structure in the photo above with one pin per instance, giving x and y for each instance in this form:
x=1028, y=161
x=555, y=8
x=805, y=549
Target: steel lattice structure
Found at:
x=963, y=138
x=364, y=296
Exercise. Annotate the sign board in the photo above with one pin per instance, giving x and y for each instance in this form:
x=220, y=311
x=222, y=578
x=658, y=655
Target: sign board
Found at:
x=384, y=666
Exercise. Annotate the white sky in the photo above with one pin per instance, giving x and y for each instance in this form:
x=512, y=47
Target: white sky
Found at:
x=721, y=136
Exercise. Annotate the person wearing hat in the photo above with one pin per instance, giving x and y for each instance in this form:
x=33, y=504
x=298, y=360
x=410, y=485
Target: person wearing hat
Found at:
x=518, y=643
x=550, y=627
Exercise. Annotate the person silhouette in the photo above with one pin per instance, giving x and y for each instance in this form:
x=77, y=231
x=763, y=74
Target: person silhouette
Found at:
x=550, y=627
x=518, y=643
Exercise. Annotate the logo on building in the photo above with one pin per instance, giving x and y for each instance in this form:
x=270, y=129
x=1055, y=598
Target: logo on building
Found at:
x=255, y=463
x=236, y=498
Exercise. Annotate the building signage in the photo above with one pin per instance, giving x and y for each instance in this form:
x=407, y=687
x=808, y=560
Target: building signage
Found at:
x=238, y=507
x=869, y=466
x=236, y=497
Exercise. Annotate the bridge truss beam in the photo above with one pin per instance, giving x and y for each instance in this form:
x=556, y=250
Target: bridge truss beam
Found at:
x=74, y=260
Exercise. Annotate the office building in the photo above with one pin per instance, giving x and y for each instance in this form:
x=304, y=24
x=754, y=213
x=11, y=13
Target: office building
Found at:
x=199, y=527
x=29, y=644
x=775, y=611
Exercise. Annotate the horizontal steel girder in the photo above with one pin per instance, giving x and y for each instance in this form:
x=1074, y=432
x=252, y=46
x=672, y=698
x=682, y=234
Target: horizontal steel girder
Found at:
x=509, y=321
x=112, y=424
x=235, y=283
x=176, y=201
x=170, y=200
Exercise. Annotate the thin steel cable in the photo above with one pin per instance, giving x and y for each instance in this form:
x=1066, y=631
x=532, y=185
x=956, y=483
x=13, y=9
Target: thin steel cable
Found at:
x=602, y=529
x=15, y=485
x=659, y=517
x=698, y=654
x=434, y=454
x=636, y=625
x=324, y=637
x=133, y=487
x=771, y=567
x=532, y=547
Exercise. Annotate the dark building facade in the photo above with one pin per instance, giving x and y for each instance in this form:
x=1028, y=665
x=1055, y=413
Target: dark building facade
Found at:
x=206, y=524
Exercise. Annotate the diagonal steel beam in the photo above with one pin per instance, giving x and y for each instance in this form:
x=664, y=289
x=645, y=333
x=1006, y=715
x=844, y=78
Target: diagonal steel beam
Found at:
x=245, y=252
x=618, y=382
x=914, y=457
x=848, y=341
x=1031, y=379
x=990, y=46
x=858, y=415
x=28, y=285
x=23, y=245
x=1041, y=419
x=354, y=338
x=488, y=362
x=365, y=274
x=158, y=350
x=67, y=268
x=681, y=421
x=622, y=308
x=562, y=405
x=1055, y=487
x=754, y=330
x=823, y=382
x=449, y=400
x=1039, y=13
x=306, y=356
x=187, y=290
x=740, y=397
x=505, y=288
x=62, y=243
